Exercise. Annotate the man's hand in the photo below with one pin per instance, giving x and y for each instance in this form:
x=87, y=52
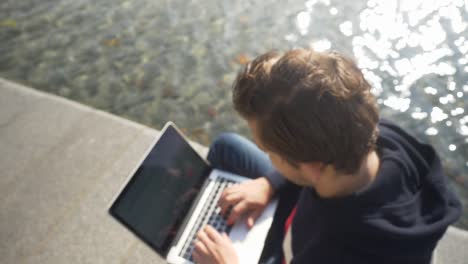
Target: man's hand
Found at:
x=212, y=247
x=250, y=198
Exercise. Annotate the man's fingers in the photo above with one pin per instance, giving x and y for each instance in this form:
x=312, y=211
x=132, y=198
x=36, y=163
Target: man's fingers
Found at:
x=229, y=190
x=229, y=200
x=253, y=217
x=196, y=257
x=230, y=196
x=236, y=212
x=203, y=237
x=200, y=248
x=213, y=234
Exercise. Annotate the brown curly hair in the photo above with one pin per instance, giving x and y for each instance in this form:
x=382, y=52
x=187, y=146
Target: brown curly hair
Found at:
x=309, y=106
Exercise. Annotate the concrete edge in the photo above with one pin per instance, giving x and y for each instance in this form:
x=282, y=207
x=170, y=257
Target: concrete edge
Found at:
x=80, y=106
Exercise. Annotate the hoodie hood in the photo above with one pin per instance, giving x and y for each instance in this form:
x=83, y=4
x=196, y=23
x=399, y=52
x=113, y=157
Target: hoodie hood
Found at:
x=404, y=212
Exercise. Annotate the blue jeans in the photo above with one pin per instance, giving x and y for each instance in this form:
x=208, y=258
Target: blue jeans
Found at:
x=236, y=154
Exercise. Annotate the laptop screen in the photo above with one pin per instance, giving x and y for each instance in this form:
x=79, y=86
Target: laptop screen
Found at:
x=159, y=195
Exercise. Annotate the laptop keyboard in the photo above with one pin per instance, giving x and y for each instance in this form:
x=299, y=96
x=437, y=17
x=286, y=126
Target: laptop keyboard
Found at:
x=209, y=215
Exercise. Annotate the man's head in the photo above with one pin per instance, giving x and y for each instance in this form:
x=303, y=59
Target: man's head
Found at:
x=306, y=107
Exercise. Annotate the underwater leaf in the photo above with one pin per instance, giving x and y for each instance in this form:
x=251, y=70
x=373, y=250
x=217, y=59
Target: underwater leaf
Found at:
x=242, y=59
x=111, y=42
x=8, y=23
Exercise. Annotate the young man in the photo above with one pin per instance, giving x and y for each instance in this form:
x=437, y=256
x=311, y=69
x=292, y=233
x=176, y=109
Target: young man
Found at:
x=369, y=192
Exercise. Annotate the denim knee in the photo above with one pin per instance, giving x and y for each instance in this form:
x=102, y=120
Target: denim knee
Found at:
x=237, y=154
x=223, y=143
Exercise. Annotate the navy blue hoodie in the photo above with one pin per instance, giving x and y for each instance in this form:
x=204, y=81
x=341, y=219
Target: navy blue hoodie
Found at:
x=399, y=218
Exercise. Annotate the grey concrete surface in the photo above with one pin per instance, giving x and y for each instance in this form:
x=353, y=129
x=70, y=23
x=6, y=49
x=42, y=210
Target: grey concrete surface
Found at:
x=453, y=247
x=61, y=164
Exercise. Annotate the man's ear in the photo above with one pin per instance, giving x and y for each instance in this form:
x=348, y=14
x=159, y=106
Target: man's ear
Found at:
x=312, y=170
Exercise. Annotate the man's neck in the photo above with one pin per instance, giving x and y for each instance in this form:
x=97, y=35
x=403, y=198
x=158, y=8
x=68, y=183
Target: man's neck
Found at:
x=338, y=185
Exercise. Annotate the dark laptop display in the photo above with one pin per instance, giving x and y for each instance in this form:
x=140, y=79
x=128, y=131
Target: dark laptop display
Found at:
x=162, y=190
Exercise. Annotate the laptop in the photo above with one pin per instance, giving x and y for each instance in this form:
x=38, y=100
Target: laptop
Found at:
x=173, y=193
